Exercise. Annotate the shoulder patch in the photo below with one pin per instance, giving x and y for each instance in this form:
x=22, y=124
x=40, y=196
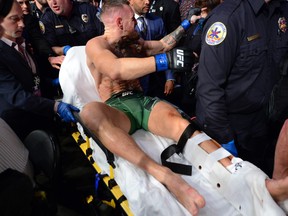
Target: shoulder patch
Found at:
x=216, y=34
x=42, y=27
x=282, y=24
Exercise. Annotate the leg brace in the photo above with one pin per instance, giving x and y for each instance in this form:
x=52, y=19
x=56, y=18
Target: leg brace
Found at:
x=242, y=184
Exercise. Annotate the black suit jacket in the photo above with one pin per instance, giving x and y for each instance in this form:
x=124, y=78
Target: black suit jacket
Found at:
x=16, y=85
x=169, y=11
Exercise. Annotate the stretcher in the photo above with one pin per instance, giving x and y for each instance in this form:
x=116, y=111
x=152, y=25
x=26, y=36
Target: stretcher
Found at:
x=238, y=192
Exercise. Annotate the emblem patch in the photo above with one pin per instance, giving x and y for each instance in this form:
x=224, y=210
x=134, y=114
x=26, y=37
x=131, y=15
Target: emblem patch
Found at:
x=282, y=23
x=42, y=27
x=85, y=18
x=216, y=34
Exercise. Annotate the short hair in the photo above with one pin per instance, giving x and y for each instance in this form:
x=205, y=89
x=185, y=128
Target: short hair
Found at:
x=109, y=4
x=5, y=7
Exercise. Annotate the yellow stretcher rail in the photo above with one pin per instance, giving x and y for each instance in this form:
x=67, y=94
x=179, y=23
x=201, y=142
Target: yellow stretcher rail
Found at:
x=114, y=187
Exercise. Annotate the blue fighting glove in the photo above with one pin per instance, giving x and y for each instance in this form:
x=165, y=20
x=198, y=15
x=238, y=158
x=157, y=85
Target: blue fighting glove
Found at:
x=64, y=110
x=65, y=49
x=230, y=146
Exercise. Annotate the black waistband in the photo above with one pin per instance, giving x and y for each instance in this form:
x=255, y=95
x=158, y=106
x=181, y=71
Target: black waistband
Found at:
x=124, y=94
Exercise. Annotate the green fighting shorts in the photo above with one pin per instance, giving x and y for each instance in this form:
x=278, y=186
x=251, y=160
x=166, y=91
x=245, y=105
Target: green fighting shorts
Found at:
x=135, y=105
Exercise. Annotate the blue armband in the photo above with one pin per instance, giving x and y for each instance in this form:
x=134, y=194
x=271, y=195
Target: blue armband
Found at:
x=65, y=49
x=185, y=24
x=161, y=62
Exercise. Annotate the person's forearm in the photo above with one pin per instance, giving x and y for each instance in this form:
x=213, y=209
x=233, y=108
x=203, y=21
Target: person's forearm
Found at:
x=165, y=44
x=129, y=68
x=170, y=40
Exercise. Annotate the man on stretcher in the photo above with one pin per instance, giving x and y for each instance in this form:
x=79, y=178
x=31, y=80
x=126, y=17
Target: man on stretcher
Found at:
x=116, y=60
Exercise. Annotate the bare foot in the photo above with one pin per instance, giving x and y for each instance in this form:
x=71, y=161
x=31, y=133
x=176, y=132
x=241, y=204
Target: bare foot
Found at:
x=278, y=188
x=184, y=193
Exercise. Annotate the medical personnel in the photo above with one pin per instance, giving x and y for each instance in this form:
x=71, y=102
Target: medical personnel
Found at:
x=237, y=72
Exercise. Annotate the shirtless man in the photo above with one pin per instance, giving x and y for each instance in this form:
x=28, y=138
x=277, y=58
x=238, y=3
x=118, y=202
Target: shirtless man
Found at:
x=114, y=62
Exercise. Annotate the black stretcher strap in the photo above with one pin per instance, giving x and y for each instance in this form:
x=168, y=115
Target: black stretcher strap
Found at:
x=175, y=167
x=121, y=199
x=109, y=155
x=178, y=148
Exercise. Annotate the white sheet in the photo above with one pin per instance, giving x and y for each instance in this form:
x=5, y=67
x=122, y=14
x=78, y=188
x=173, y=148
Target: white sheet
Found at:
x=146, y=196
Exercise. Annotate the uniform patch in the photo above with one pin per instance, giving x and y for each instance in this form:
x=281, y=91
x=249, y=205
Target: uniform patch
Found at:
x=85, y=18
x=282, y=24
x=42, y=27
x=216, y=34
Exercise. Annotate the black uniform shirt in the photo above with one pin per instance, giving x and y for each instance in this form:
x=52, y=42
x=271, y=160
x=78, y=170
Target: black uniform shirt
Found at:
x=75, y=31
x=234, y=75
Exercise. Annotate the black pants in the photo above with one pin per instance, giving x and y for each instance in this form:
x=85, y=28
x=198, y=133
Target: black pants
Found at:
x=16, y=193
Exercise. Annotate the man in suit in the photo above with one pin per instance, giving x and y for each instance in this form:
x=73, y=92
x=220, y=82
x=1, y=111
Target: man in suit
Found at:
x=16, y=188
x=169, y=11
x=151, y=27
x=22, y=106
x=48, y=62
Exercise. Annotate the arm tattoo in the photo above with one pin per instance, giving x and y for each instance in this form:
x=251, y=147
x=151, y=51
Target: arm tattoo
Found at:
x=174, y=37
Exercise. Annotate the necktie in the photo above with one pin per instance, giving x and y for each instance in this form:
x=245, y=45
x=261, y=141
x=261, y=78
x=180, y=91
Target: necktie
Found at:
x=21, y=51
x=25, y=56
x=142, y=27
x=30, y=62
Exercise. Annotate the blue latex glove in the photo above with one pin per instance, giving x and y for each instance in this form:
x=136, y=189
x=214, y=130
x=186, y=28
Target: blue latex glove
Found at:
x=64, y=111
x=230, y=146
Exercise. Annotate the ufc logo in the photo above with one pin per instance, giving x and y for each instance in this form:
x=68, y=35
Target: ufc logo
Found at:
x=127, y=93
x=180, y=57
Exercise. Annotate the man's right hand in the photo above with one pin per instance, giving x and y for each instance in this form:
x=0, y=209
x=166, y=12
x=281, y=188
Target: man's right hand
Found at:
x=179, y=59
